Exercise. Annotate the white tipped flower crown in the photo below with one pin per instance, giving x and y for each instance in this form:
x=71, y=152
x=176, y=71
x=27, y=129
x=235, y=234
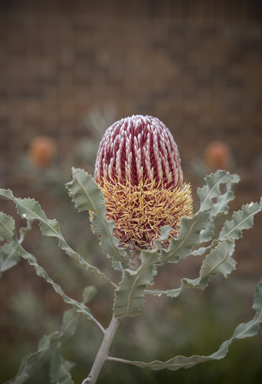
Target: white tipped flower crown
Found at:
x=138, y=168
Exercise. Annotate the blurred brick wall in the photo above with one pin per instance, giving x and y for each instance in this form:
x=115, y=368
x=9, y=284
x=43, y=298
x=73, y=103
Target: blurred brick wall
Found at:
x=196, y=65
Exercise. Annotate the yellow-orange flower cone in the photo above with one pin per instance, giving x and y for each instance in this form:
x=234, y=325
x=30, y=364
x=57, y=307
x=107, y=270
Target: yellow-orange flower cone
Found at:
x=138, y=168
x=42, y=151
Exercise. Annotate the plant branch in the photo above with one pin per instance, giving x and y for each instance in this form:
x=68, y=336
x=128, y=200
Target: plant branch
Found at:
x=114, y=284
x=118, y=360
x=102, y=352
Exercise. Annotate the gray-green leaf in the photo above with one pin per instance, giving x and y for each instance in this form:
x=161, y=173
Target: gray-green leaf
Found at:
x=7, y=226
x=6, y=194
x=30, y=360
x=9, y=257
x=190, y=229
x=88, y=196
x=212, y=188
x=130, y=296
x=31, y=210
x=221, y=205
x=88, y=294
x=242, y=331
x=219, y=260
x=207, y=233
x=78, y=307
x=242, y=219
x=59, y=368
x=70, y=322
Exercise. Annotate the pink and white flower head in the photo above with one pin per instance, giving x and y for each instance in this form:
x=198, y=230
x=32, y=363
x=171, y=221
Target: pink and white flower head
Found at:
x=138, y=168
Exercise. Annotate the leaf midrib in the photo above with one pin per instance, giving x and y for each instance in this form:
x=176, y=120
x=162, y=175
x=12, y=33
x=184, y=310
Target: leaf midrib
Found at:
x=99, y=214
x=8, y=230
x=7, y=259
x=183, y=241
x=210, y=190
x=252, y=214
x=141, y=270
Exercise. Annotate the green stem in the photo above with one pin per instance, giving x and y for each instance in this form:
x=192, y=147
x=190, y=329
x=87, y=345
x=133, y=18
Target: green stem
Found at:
x=102, y=352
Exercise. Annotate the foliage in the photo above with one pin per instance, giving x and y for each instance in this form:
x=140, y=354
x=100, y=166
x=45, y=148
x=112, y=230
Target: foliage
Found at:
x=197, y=237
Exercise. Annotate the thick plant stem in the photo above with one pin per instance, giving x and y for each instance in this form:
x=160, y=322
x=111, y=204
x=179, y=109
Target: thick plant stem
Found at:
x=102, y=352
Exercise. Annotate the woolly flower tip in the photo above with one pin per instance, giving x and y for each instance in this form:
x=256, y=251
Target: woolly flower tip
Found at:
x=138, y=168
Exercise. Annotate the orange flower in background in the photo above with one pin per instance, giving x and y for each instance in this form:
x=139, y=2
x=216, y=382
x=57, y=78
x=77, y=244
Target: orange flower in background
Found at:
x=42, y=151
x=217, y=155
x=138, y=168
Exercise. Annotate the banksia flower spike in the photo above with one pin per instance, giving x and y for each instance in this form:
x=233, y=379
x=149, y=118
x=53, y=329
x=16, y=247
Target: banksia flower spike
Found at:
x=217, y=155
x=42, y=151
x=138, y=169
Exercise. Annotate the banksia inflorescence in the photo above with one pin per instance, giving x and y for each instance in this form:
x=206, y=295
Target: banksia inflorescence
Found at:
x=138, y=169
x=217, y=155
x=42, y=151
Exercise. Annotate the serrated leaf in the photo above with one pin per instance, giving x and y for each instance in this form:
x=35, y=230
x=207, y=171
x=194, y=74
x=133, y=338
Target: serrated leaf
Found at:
x=6, y=194
x=189, y=283
x=31, y=210
x=207, y=233
x=40, y=271
x=212, y=188
x=185, y=283
x=212, y=191
x=25, y=205
x=70, y=322
x=23, y=230
x=130, y=296
x=165, y=230
x=199, y=252
x=190, y=229
x=46, y=340
x=18, y=379
x=242, y=331
x=44, y=346
x=257, y=304
x=31, y=359
x=59, y=369
x=242, y=219
x=156, y=292
x=219, y=260
x=88, y=196
x=9, y=257
x=88, y=294
x=110, y=244
x=248, y=329
x=221, y=206
x=7, y=226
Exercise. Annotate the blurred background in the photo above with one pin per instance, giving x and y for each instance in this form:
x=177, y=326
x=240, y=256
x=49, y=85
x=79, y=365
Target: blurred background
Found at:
x=68, y=70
